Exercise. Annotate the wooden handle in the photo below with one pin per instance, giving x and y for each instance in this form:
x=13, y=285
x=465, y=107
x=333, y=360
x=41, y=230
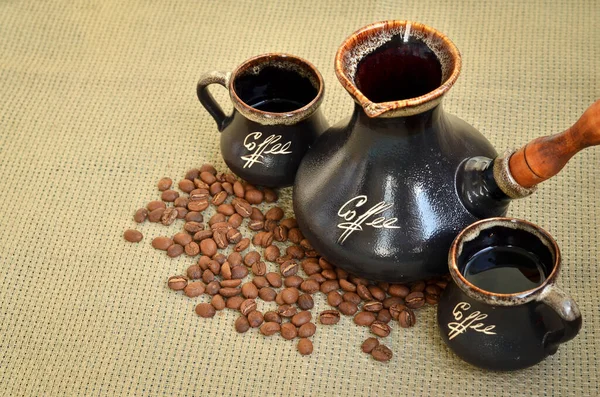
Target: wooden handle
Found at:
x=544, y=157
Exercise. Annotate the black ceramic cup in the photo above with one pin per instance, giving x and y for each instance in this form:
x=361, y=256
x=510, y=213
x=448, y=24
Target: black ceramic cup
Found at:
x=276, y=116
x=504, y=311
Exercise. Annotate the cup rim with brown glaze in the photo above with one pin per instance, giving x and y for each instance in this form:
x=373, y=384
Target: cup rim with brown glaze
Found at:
x=472, y=231
x=272, y=118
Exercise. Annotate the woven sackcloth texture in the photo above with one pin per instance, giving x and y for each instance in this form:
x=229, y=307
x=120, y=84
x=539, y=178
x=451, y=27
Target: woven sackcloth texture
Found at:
x=98, y=103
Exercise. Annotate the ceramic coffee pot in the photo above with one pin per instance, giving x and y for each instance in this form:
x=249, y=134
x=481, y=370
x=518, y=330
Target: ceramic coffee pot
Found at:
x=383, y=193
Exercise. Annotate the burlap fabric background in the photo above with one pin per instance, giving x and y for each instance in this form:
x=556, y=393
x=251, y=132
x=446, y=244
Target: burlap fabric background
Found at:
x=98, y=102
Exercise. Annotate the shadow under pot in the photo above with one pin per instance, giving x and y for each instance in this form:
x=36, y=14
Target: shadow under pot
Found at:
x=503, y=311
x=276, y=116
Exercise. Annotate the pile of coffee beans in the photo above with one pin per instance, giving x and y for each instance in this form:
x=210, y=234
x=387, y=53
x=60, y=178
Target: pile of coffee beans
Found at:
x=273, y=262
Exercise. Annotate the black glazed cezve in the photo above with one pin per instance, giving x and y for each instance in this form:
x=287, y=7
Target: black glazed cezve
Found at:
x=383, y=193
x=276, y=117
x=489, y=321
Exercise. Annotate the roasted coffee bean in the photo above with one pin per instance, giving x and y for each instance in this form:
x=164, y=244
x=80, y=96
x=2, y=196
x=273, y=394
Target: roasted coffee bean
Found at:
x=287, y=311
x=290, y=295
x=162, y=243
x=305, y=346
x=266, y=239
x=272, y=317
x=310, y=286
x=228, y=292
x=289, y=331
x=384, y=316
x=169, y=196
x=282, y=259
x=156, y=215
x=334, y=298
x=432, y=299
x=358, y=280
x=192, y=174
x=174, y=250
x=220, y=238
x=418, y=286
x=311, y=254
x=255, y=319
x=242, y=245
x=181, y=202
x=208, y=276
x=414, y=300
x=208, y=177
x=329, y=285
x=329, y=274
x=234, y=259
x=280, y=233
x=241, y=324
x=238, y=189
x=181, y=212
x=239, y=272
x=254, y=196
x=248, y=306
x=234, y=236
x=305, y=302
x=364, y=292
x=301, y=318
x=228, y=187
x=396, y=309
x=270, y=225
x=329, y=317
x=257, y=215
x=274, y=214
x=220, y=226
x=380, y=329
x=182, y=238
x=267, y=294
x=164, y=184
x=274, y=279
x=212, y=288
x=270, y=195
x=219, y=257
x=399, y=290
x=347, y=285
x=377, y=293
x=234, y=302
x=242, y=207
x=407, y=318
x=194, y=216
x=351, y=297
x=251, y=258
x=249, y=290
x=202, y=235
x=140, y=215
x=208, y=247
x=392, y=300
x=348, y=308
x=257, y=238
x=194, y=272
x=217, y=218
x=230, y=283
x=382, y=353
x=205, y=310
x=293, y=281
x=295, y=252
x=193, y=227
x=341, y=273
x=372, y=306
x=185, y=185
x=364, y=319
x=198, y=205
x=192, y=249
x=318, y=277
x=218, y=302
x=289, y=268
x=433, y=290
x=208, y=168
x=133, y=236
x=295, y=235
x=271, y=253
x=215, y=189
x=203, y=262
x=199, y=194
x=259, y=269
x=256, y=225
x=200, y=184
x=270, y=328
x=369, y=344
x=290, y=223
x=154, y=205
x=307, y=330
x=177, y=283
x=225, y=209
x=279, y=299
x=310, y=266
x=306, y=245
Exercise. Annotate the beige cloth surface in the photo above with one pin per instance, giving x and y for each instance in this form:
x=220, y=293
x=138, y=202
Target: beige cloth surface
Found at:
x=98, y=102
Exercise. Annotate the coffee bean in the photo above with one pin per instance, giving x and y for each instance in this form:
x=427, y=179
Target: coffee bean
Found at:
x=310, y=286
x=191, y=249
x=214, y=266
x=254, y=196
x=329, y=285
x=230, y=283
x=295, y=252
x=208, y=168
x=399, y=290
x=234, y=302
x=274, y=214
x=364, y=319
x=257, y=215
x=289, y=331
x=140, y=215
x=267, y=294
x=193, y=227
x=208, y=247
x=290, y=223
x=358, y=280
x=407, y=318
x=181, y=202
x=289, y=268
x=153, y=205
x=238, y=189
x=318, y=277
x=219, y=258
x=290, y=295
x=194, y=216
x=208, y=177
x=251, y=258
x=270, y=225
x=208, y=276
x=348, y=308
x=293, y=281
x=271, y=253
x=220, y=226
x=234, y=236
x=341, y=273
x=218, y=302
x=220, y=238
x=202, y=234
x=329, y=274
x=266, y=239
x=272, y=316
x=282, y=259
x=177, y=283
x=369, y=344
x=384, y=316
x=415, y=300
x=334, y=298
x=382, y=353
x=133, y=236
x=305, y=302
x=249, y=290
x=215, y=189
x=205, y=310
x=241, y=324
x=217, y=218
x=182, y=238
x=392, y=300
x=306, y=245
x=280, y=233
x=380, y=329
x=193, y=272
x=347, y=285
x=287, y=311
x=256, y=225
x=162, y=243
x=255, y=319
x=174, y=250
x=305, y=346
x=198, y=205
x=372, y=306
x=242, y=207
x=329, y=317
x=301, y=318
x=235, y=259
x=418, y=286
x=295, y=235
x=274, y=279
x=200, y=194
x=269, y=328
x=432, y=299
x=239, y=272
x=181, y=212
x=364, y=292
x=192, y=174
x=242, y=245
x=226, y=209
x=307, y=330
x=396, y=309
x=351, y=297
x=169, y=196
x=248, y=306
x=259, y=269
x=156, y=215
x=200, y=184
x=164, y=184
x=212, y=288
x=377, y=293
x=229, y=292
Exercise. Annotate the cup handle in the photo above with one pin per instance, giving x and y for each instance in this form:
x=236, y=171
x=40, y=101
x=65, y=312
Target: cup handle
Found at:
x=569, y=313
x=207, y=100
